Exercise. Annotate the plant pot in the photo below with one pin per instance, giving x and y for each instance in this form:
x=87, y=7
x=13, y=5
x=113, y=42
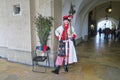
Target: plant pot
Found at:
x=39, y=48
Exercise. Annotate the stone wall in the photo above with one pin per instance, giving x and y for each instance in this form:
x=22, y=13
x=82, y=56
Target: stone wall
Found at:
x=18, y=37
x=15, y=31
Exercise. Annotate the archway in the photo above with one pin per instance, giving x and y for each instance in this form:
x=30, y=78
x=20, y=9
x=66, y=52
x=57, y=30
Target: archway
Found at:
x=94, y=7
x=81, y=17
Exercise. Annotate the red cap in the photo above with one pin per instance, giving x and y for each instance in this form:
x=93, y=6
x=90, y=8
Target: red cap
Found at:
x=65, y=17
x=68, y=17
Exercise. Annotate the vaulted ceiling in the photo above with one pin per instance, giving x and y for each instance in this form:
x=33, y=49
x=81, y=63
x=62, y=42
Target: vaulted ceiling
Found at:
x=99, y=6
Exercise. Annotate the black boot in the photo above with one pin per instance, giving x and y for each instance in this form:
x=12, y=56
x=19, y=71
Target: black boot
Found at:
x=56, y=71
x=65, y=68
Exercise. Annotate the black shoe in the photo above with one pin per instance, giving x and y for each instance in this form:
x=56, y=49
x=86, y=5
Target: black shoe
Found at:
x=55, y=71
x=65, y=68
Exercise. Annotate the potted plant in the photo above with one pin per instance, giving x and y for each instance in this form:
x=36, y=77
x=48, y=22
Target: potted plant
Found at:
x=43, y=26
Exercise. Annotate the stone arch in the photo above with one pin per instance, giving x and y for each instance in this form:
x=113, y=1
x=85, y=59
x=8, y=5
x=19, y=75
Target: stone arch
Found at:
x=81, y=16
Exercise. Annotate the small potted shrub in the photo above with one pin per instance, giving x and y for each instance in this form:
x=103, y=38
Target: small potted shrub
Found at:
x=43, y=26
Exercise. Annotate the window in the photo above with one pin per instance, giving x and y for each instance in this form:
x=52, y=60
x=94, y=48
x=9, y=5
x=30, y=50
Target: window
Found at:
x=16, y=9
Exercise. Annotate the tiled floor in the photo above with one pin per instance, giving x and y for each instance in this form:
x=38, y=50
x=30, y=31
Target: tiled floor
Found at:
x=98, y=59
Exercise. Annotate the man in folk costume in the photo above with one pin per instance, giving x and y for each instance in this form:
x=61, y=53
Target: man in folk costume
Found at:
x=66, y=50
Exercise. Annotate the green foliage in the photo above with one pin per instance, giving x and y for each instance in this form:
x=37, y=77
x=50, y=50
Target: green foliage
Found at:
x=43, y=26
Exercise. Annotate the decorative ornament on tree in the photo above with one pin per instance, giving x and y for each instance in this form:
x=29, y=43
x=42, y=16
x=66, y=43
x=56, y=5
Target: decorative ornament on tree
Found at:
x=71, y=13
x=72, y=10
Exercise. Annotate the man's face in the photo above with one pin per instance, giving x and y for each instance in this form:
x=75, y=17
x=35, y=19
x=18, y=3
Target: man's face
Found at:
x=66, y=22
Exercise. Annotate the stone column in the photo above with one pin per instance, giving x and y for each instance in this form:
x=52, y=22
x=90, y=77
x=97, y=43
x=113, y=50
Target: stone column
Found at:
x=56, y=6
x=47, y=8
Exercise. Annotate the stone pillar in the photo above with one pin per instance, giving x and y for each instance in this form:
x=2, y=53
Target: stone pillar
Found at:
x=46, y=8
x=56, y=6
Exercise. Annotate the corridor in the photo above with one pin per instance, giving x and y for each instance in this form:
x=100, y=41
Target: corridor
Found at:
x=98, y=59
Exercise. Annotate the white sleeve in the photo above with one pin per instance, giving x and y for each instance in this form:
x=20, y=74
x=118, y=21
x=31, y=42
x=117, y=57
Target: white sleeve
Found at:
x=57, y=32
